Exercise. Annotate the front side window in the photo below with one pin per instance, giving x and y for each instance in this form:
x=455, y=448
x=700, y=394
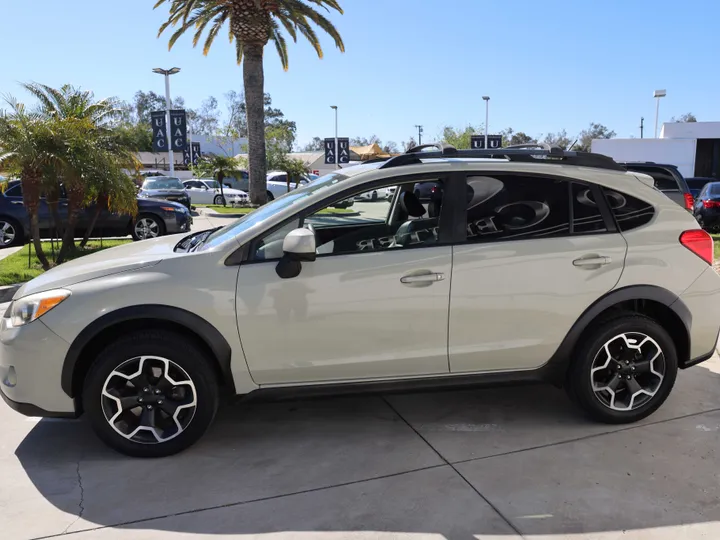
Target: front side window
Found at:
x=516, y=207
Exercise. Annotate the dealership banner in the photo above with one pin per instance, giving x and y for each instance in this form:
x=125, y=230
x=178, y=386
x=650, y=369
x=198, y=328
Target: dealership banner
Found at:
x=159, y=132
x=178, y=130
x=195, y=154
x=477, y=142
x=343, y=150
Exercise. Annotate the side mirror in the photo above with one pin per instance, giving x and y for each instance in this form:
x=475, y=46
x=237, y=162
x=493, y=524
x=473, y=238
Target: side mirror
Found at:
x=206, y=188
x=298, y=246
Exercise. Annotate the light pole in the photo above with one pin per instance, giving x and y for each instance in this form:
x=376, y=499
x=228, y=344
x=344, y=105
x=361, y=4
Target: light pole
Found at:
x=657, y=95
x=337, y=150
x=168, y=127
x=487, y=110
x=420, y=132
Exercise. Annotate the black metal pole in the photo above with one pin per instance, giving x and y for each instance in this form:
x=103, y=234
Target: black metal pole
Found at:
x=642, y=126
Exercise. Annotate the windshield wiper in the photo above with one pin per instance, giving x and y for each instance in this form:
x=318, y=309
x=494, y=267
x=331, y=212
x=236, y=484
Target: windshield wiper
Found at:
x=200, y=239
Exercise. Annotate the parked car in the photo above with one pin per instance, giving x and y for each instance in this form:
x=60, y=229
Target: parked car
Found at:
x=667, y=179
x=707, y=207
x=155, y=218
x=697, y=183
x=165, y=187
x=571, y=271
x=207, y=191
x=374, y=195
x=276, y=184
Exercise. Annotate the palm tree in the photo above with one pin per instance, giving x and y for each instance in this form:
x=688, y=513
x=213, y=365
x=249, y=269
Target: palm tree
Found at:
x=27, y=148
x=252, y=23
x=71, y=102
x=219, y=167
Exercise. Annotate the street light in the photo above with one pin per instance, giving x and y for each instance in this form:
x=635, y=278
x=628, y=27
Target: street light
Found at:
x=337, y=150
x=168, y=128
x=487, y=110
x=657, y=95
x=420, y=132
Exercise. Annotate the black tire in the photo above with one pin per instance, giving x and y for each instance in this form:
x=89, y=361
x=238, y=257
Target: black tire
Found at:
x=7, y=224
x=165, y=344
x=218, y=200
x=580, y=387
x=374, y=196
x=150, y=217
x=270, y=197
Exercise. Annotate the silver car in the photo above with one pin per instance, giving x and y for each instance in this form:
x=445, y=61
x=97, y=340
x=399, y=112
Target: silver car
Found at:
x=565, y=269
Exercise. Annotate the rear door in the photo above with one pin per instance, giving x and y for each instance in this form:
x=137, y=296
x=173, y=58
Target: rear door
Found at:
x=538, y=252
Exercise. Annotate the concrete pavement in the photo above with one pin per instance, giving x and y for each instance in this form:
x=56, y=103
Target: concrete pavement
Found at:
x=497, y=463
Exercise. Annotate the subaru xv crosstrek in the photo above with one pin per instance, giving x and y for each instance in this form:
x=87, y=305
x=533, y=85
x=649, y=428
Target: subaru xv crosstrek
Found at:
x=529, y=264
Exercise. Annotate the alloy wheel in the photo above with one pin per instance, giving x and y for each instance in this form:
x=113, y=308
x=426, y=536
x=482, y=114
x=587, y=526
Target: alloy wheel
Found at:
x=147, y=228
x=7, y=233
x=149, y=399
x=627, y=371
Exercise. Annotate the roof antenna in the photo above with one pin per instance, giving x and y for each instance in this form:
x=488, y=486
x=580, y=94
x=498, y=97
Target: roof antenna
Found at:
x=573, y=144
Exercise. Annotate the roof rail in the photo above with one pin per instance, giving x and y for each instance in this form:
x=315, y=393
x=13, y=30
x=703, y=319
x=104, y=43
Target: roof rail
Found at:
x=525, y=153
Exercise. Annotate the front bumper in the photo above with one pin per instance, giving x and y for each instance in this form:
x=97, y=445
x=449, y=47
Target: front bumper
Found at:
x=178, y=223
x=31, y=359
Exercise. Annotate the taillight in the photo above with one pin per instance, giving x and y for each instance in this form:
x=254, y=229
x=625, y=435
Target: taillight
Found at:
x=711, y=204
x=689, y=201
x=700, y=243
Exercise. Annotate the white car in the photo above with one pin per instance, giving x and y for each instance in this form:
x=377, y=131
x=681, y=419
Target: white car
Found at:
x=277, y=184
x=374, y=195
x=207, y=191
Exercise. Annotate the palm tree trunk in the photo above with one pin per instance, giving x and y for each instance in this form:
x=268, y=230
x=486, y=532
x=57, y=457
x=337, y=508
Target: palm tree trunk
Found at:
x=68, y=241
x=220, y=178
x=254, y=80
x=35, y=231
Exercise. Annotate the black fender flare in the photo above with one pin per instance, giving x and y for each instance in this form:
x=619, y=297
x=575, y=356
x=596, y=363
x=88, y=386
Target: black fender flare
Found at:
x=192, y=322
x=555, y=368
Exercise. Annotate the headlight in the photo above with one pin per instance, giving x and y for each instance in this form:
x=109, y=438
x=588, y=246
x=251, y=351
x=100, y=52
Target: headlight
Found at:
x=25, y=310
x=178, y=209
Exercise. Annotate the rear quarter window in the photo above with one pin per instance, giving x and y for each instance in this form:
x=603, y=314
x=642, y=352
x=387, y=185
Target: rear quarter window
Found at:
x=630, y=212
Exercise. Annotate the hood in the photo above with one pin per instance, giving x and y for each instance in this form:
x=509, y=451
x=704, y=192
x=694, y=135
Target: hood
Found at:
x=162, y=192
x=127, y=257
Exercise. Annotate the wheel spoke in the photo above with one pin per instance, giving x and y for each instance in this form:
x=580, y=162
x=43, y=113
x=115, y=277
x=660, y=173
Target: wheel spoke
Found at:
x=128, y=402
x=140, y=381
x=147, y=418
x=613, y=384
x=633, y=386
x=643, y=366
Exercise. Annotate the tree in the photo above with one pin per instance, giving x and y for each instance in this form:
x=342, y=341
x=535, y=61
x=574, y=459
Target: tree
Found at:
x=594, y=131
x=409, y=143
x=521, y=138
x=27, y=151
x=219, y=168
x=252, y=23
x=459, y=138
x=390, y=147
x=559, y=139
x=205, y=120
x=315, y=145
x=687, y=117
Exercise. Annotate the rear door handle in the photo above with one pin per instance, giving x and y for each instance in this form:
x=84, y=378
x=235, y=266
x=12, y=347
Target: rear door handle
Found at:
x=595, y=260
x=430, y=277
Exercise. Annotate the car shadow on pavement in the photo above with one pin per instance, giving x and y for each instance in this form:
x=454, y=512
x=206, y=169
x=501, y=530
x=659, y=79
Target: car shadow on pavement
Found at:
x=453, y=463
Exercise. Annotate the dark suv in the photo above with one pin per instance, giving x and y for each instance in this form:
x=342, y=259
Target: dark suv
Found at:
x=155, y=218
x=667, y=179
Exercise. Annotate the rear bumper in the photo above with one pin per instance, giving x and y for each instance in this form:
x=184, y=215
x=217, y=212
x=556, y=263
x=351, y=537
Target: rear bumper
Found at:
x=702, y=299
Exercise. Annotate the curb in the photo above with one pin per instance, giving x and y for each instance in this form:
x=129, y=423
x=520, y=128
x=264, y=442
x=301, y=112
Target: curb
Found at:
x=7, y=292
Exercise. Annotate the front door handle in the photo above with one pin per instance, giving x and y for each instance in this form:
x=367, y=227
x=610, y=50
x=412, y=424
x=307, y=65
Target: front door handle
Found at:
x=592, y=260
x=428, y=278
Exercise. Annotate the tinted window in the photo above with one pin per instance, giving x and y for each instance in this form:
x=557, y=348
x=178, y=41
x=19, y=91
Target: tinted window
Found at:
x=664, y=181
x=15, y=191
x=516, y=207
x=587, y=218
x=629, y=212
x=163, y=183
x=714, y=188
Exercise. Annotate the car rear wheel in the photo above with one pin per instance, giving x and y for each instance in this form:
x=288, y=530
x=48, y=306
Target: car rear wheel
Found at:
x=270, y=196
x=374, y=196
x=219, y=200
x=10, y=233
x=151, y=394
x=147, y=226
x=624, y=371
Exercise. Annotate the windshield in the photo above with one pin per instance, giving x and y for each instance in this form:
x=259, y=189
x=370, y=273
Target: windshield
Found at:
x=256, y=217
x=163, y=183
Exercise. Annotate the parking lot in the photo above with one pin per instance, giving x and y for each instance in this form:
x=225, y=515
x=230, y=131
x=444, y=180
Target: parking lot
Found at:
x=495, y=463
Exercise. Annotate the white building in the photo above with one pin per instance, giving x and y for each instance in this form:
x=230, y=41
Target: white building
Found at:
x=694, y=147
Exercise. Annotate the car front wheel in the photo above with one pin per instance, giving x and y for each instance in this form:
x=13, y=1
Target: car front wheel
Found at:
x=151, y=394
x=624, y=370
x=10, y=233
x=147, y=226
x=218, y=200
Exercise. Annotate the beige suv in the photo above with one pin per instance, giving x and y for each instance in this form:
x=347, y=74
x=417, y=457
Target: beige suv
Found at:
x=525, y=264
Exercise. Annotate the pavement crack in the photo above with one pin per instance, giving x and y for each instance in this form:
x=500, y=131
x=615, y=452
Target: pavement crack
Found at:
x=452, y=466
x=81, y=503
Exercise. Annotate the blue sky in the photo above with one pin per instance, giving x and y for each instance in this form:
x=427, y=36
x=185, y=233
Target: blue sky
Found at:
x=546, y=65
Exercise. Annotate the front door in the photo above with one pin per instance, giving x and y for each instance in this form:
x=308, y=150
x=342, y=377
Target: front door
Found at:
x=373, y=305
x=538, y=253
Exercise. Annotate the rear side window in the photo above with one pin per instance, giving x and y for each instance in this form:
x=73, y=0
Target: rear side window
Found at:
x=514, y=207
x=15, y=191
x=587, y=218
x=629, y=212
x=664, y=181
